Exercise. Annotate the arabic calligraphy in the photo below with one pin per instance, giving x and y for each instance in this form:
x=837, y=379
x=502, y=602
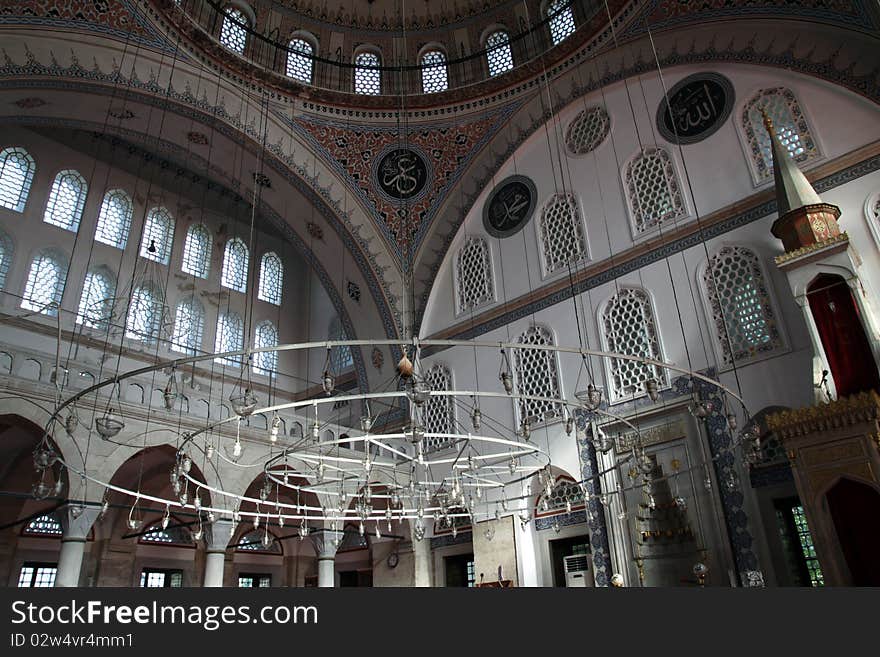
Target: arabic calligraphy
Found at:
x=402, y=173
x=510, y=207
x=698, y=106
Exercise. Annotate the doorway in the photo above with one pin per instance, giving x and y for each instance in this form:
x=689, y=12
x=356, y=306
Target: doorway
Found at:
x=566, y=547
x=854, y=508
x=460, y=570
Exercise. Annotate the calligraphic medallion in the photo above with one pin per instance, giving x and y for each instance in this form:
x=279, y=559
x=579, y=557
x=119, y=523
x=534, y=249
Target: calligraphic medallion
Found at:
x=510, y=206
x=401, y=174
x=698, y=106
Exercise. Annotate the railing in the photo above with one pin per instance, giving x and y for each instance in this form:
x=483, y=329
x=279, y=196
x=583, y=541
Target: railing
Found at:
x=336, y=72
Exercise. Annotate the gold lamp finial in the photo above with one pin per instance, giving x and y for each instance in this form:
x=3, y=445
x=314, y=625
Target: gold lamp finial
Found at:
x=768, y=122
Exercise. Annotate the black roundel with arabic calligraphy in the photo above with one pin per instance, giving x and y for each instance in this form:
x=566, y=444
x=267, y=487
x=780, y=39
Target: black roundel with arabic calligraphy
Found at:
x=510, y=206
x=402, y=174
x=698, y=106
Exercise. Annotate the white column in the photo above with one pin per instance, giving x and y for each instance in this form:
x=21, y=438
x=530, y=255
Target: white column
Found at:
x=217, y=537
x=422, y=560
x=76, y=521
x=326, y=542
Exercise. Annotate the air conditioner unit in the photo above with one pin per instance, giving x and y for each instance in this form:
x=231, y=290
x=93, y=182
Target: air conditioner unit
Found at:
x=577, y=568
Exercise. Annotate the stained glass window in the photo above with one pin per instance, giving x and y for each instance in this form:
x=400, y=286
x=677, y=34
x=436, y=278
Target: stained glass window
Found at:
x=46, y=525
x=66, y=200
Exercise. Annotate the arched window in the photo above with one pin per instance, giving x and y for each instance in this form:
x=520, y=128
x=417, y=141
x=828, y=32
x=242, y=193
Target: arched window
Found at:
x=499, y=56
x=6, y=249
x=565, y=494
x=266, y=335
x=114, y=220
x=789, y=123
x=587, y=130
x=537, y=376
x=16, y=175
x=439, y=413
x=235, y=265
x=144, y=320
x=66, y=200
x=561, y=20
x=562, y=233
x=741, y=310
x=473, y=268
x=367, y=75
x=652, y=189
x=434, y=75
x=340, y=357
x=46, y=525
x=189, y=326
x=229, y=337
x=96, y=301
x=299, y=60
x=197, y=251
x=158, y=236
x=233, y=32
x=45, y=282
x=628, y=327
x=271, y=278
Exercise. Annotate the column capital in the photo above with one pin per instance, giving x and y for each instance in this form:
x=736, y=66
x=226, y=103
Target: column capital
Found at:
x=326, y=542
x=218, y=534
x=77, y=520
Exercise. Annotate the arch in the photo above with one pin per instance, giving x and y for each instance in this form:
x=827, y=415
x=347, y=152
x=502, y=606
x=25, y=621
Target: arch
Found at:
x=852, y=506
x=271, y=278
x=235, y=265
x=652, y=188
x=67, y=198
x=559, y=495
x=16, y=175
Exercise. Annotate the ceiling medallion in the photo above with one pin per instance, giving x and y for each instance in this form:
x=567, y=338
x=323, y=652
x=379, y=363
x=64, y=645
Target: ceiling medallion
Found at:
x=121, y=113
x=198, y=138
x=510, y=206
x=401, y=174
x=698, y=106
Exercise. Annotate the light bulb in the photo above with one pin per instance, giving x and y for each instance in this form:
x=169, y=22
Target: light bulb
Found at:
x=256, y=521
x=556, y=527
x=166, y=518
x=186, y=463
x=209, y=451
x=236, y=449
x=197, y=502
x=476, y=419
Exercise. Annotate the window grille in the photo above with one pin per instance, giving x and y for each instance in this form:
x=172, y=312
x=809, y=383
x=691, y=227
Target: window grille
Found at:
x=235, y=265
x=340, y=357
x=37, y=576
x=266, y=335
x=230, y=337
x=435, y=77
x=439, y=413
x=271, y=277
x=629, y=328
x=158, y=236
x=562, y=233
x=537, y=375
x=98, y=297
x=189, y=326
x=46, y=525
x=742, y=313
x=299, y=60
x=16, y=175
x=66, y=200
x=561, y=21
x=367, y=75
x=653, y=189
x=499, y=56
x=233, y=32
x=197, y=251
x=6, y=252
x=45, y=283
x=474, y=272
x=114, y=219
x=587, y=130
x=144, y=320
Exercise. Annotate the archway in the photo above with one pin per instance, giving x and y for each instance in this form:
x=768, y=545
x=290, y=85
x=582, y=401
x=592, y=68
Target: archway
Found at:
x=854, y=508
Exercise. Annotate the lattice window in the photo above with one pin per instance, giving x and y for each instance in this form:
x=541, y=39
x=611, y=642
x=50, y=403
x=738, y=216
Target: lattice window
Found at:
x=561, y=21
x=367, y=75
x=629, y=328
x=439, y=413
x=562, y=233
x=229, y=337
x=45, y=283
x=6, y=253
x=98, y=297
x=253, y=542
x=587, y=130
x=742, y=313
x=789, y=123
x=144, y=321
x=66, y=200
x=235, y=265
x=233, y=32
x=189, y=326
x=537, y=375
x=254, y=581
x=340, y=357
x=271, y=278
x=47, y=525
x=299, y=60
x=158, y=236
x=434, y=74
x=266, y=335
x=875, y=208
x=563, y=493
x=653, y=189
x=37, y=576
x=170, y=536
x=197, y=251
x=114, y=220
x=473, y=267
x=16, y=175
x=499, y=56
